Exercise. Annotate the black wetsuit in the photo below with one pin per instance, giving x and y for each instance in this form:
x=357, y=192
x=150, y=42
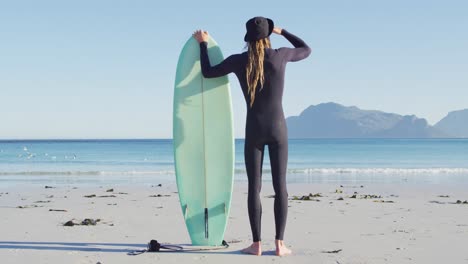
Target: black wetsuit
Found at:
x=265, y=125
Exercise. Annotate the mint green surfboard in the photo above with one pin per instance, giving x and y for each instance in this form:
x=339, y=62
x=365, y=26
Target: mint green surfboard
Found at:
x=203, y=145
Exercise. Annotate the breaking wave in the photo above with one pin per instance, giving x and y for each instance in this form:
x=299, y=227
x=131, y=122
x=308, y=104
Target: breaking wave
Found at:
x=303, y=171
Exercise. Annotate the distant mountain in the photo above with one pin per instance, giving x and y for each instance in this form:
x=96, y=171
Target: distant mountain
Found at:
x=411, y=126
x=455, y=124
x=332, y=120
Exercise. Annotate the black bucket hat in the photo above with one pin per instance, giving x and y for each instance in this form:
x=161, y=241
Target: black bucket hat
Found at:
x=258, y=28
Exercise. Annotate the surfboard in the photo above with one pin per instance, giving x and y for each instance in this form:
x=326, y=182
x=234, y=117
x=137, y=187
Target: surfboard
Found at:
x=203, y=145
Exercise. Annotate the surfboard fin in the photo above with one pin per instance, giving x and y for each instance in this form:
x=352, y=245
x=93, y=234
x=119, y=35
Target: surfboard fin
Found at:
x=206, y=223
x=185, y=211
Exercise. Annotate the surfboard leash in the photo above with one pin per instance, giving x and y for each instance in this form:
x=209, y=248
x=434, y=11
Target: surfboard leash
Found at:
x=155, y=246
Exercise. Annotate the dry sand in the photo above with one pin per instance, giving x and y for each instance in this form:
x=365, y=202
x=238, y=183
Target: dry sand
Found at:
x=398, y=223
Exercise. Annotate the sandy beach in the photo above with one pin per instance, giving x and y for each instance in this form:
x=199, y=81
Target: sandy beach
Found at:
x=327, y=223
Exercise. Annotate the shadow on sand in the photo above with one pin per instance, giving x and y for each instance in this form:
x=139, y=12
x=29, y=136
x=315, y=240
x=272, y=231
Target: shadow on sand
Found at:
x=107, y=247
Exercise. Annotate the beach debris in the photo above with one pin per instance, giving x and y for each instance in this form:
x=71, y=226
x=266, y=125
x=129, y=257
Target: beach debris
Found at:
x=69, y=223
x=443, y=196
x=122, y=193
x=400, y=231
x=48, y=201
x=85, y=222
x=49, y=196
x=112, y=204
x=340, y=199
x=370, y=196
x=332, y=251
x=57, y=210
x=437, y=202
x=49, y=187
x=383, y=201
x=100, y=196
x=28, y=206
x=110, y=190
x=304, y=198
x=460, y=202
x=308, y=197
x=159, y=185
x=352, y=186
x=235, y=241
x=160, y=195
x=89, y=221
x=338, y=191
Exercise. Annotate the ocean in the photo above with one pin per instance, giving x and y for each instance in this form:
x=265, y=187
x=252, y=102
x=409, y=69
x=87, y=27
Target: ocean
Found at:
x=94, y=162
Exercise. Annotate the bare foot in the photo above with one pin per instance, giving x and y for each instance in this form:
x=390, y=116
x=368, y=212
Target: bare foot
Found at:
x=254, y=249
x=281, y=249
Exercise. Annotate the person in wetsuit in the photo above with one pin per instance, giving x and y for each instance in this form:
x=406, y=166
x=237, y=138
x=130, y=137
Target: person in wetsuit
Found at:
x=260, y=72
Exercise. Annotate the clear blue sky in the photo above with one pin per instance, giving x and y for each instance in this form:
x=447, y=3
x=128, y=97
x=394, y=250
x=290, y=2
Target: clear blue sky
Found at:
x=105, y=69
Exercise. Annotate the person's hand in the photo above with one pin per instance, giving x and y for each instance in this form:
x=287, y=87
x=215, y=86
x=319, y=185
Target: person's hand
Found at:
x=201, y=36
x=277, y=30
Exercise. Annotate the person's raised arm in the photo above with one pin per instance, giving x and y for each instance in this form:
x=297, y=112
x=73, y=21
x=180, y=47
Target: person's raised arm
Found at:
x=300, y=51
x=208, y=71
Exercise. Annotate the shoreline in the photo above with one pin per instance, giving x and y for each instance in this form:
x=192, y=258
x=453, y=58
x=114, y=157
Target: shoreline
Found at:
x=25, y=180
